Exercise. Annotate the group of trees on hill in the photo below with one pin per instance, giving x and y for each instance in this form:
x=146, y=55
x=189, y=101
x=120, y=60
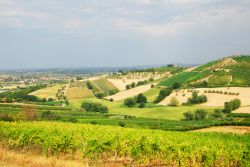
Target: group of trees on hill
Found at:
x=163, y=94
x=95, y=107
x=139, y=83
x=139, y=99
x=231, y=105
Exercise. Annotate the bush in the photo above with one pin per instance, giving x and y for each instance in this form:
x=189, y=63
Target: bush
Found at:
x=113, y=91
x=99, y=95
x=122, y=124
x=89, y=86
x=200, y=114
x=174, y=102
x=189, y=116
x=73, y=120
x=94, y=107
x=141, y=105
x=93, y=122
x=163, y=94
x=217, y=114
x=176, y=85
x=132, y=85
x=130, y=102
x=128, y=87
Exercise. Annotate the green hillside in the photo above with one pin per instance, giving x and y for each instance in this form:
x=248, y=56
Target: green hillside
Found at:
x=229, y=71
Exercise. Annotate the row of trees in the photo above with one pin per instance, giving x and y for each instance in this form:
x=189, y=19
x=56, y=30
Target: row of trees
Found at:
x=139, y=83
x=201, y=114
x=163, y=94
x=195, y=99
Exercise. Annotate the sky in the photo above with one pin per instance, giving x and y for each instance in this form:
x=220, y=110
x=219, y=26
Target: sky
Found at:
x=115, y=33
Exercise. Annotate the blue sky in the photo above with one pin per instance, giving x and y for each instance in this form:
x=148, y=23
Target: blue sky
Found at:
x=94, y=33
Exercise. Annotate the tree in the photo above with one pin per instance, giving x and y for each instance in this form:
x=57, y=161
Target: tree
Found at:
x=176, y=85
x=174, y=102
x=217, y=114
x=189, y=116
x=195, y=99
x=200, y=114
x=130, y=102
x=132, y=85
x=90, y=87
x=99, y=95
x=122, y=124
x=128, y=87
x=141, y=98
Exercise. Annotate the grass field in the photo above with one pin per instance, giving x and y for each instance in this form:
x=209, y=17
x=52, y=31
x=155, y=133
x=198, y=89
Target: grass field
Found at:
x=150, y=111
x=152, y=94
x=136, y=146
x=48, y=92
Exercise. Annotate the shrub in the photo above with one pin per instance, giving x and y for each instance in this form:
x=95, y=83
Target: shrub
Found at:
x=113, y=91
x=122, y=124
x=128, y=87
x=141, y=105
x=93, y=122
x=189, y=116
x=130, y=102
x=152, y=85
x=132, y=85
x=111, y=100
x=6, y=117
x=217, y=114
x=200, y=114
x=94, y=107
x=89, y=86
x=73, y=120
x=99, y=95
x=174, y=102
x=176, y=85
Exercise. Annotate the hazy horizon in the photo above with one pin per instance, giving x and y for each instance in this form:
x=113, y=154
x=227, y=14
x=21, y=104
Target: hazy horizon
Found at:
x=120, y=33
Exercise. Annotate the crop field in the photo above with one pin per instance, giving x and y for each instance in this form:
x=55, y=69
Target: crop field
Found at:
x=129, y=145
x=220, y=79
x=48, y=92
x=104, y=85
x=78, y=93
x=184, y=77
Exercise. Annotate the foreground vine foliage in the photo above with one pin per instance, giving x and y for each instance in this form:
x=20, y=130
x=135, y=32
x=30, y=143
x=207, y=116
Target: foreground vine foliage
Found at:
x=139, y=146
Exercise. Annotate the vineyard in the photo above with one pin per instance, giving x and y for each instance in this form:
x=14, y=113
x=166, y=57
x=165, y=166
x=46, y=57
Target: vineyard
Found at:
x=184, y=77
x=220, y=79
x=131, y=145
x=104, y=85
x=78, y=90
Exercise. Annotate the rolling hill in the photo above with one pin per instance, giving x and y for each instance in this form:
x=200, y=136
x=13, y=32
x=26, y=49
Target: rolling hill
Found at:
x=229, y=71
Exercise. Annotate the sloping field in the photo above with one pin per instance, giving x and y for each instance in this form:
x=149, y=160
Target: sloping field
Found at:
x=214, y=99
x=104, y=85
x=78, y=93
x=129, y=93
x=49, y=92
x=226, y=129
x=152, y=94
x=137, y=146
x=184, y=77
